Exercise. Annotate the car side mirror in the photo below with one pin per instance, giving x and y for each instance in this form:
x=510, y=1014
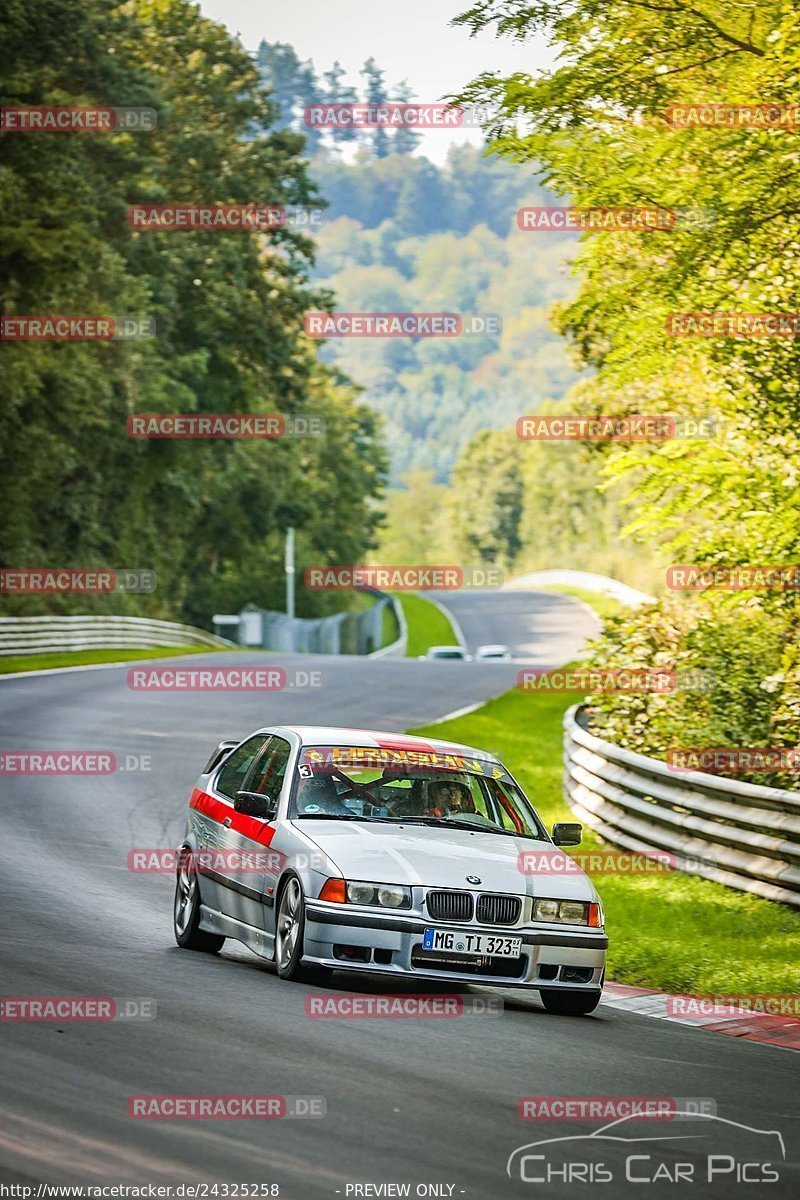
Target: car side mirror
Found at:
x=254, y=804
x=567, y=833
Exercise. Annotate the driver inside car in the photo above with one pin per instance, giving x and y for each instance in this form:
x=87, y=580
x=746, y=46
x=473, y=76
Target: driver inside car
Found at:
x=449, y=797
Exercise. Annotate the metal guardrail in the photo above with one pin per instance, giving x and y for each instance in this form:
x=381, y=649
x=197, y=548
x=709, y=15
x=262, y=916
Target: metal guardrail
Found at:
x=48, y=635
x=397, y=648
x=340, y=633
x=743, y=835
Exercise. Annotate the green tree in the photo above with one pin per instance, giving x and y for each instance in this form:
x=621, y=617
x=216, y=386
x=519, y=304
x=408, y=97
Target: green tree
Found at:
x=418, y=530
x=335, y=91
x=406, y=139
x=488, y=497
x=228, y=308
x=376, y=94
x=615, y=124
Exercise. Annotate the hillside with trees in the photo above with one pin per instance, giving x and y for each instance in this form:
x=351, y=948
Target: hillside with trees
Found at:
x=207, y=516
x=402, y=234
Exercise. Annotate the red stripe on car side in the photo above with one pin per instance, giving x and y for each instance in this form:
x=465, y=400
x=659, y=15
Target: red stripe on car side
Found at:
x=217, y=810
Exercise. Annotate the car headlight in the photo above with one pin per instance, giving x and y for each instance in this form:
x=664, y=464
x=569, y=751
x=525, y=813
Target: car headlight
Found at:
x=384, y=895
x=568, y=912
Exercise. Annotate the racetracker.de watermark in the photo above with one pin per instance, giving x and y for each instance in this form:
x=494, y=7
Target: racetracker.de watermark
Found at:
x=222, y=679
x=221, y=860
x=197, y=426
x=554, y=219
x=222, y=218
x=58, y=327
x=225, y=1108
x=610, y=1108
x=401, y=324
x=733, y=325
x=27, y=581
x=740, y=577
x=71, y=762
x=595, y=862
x=402, y=578
x=393, y=114
x=616, y=429
x=733, y=116
x=57, y=762
x=596, y=429
x=333, y=1004
x=744, y=1004
x=78, y=1008
x=83, y=119
x=733, y=760
x=598, y=679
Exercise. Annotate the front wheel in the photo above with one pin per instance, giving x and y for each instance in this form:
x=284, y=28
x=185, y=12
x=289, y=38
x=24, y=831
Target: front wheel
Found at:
x=569, y=1003
x=186, y=911
x=290, y=924
x=289, y=930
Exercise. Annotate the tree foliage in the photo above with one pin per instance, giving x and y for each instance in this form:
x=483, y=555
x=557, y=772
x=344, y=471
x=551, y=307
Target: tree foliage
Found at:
x=207, y=516
x=405, y=235
x=602, y=125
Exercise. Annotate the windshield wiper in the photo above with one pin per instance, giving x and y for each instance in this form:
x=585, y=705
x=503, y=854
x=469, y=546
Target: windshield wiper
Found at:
x=332, y=817
x=452, y=821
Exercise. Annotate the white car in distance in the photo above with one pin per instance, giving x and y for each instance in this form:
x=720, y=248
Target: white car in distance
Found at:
x=444, y=653
x=493, y=653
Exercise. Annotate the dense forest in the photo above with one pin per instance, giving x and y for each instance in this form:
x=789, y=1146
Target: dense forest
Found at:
x=207, y=516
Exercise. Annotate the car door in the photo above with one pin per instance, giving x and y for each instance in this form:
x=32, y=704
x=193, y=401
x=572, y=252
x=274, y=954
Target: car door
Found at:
x=238, y=869
x=212, y=813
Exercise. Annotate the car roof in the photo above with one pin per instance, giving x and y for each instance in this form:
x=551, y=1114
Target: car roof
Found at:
x=493, y=646
x=331, y=735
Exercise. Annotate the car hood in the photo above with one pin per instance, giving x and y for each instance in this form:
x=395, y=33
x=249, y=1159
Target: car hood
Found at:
x=419, y=855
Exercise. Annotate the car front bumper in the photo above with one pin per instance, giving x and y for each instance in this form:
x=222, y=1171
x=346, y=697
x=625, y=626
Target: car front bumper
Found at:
x=355, y=940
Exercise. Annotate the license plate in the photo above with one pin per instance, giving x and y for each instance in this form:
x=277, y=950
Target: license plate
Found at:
x=458, y=941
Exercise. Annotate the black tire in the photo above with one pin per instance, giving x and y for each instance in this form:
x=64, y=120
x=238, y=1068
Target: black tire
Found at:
x=569, y=1002
x=290, y=925
x=290, y=910
x=186, y=910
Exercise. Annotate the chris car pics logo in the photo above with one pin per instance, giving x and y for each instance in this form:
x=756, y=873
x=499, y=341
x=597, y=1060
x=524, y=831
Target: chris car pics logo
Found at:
x=698, y=1148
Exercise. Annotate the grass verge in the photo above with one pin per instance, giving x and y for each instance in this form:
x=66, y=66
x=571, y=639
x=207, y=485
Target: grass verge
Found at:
x=669, y=931
x=390, y=630
x=79, y=658
x=427, y=625
x=605, y=606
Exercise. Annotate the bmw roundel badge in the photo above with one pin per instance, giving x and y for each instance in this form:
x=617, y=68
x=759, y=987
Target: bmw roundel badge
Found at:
x=473, y=879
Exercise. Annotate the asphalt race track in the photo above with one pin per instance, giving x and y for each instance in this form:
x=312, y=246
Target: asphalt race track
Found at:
x=538, y=627
x=420, y=1101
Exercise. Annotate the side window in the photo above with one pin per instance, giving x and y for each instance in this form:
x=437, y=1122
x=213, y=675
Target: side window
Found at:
x=236, y=766
x=267, y=779
x=473, y=782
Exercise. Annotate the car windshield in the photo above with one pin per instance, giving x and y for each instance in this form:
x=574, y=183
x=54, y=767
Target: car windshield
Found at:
x=418, y=787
